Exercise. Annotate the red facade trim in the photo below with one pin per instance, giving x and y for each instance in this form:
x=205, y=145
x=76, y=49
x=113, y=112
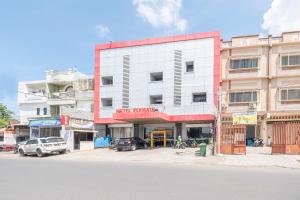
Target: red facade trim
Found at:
x=215, y=35
x=141, y=116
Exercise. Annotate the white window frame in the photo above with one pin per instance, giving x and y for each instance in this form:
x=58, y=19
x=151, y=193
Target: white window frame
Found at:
x=162, y=99
x=151, y=73
x=186, y=64
x=292, y=100
x=107, y=85
x=112, y=102
x=199, y=93
x=244, y=91
x=242, y=58
x=289, y=54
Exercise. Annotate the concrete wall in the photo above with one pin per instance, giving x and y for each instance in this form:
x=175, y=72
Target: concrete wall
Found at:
x=160, y=58
x=252, y=52
x=30, y=111
x=259, y=85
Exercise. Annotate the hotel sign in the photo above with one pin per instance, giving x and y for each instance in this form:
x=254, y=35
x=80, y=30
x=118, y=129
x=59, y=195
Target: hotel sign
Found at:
x=135, y=110
x=244, y=118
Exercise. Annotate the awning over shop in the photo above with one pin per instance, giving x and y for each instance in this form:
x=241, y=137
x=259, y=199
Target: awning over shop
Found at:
x=135, y=115
x=44, y=122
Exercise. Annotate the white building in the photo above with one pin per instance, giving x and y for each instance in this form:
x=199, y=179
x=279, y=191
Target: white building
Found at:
x=60, y=105
x=167, y=84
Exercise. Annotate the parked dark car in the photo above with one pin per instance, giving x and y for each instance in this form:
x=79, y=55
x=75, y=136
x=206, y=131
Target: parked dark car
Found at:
x=131, y=143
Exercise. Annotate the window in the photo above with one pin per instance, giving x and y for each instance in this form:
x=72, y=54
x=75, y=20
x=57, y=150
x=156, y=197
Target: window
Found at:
x=156, y=99
x=106, y=102
x=288, y=60
x=45, y=111
x=86, y=136
x=107, y=80
x=198, y=132
x=243, y=97
x=49, y=132
x=38, y=111
x=244, y=63
x=32, y=142
x=156, y=76
x=290, y=95
x=84, y=84
x=92, y=107
x=189, y=66
x=199, y=97
x=69, y=88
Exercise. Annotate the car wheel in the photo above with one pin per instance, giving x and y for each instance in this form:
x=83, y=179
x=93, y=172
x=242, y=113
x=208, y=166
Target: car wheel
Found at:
x=39, y=153
x=119, y=149
x=21, y=152
x=133, y=148
x=62, y=152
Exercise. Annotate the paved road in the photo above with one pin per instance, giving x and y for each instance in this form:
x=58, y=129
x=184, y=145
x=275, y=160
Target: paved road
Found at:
x=32, y=178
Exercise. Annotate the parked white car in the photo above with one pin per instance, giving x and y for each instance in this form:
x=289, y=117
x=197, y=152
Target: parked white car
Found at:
x=43, y=146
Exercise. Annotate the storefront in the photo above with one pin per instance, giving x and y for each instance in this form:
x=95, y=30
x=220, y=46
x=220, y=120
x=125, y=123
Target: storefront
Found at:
x=78, y=133
x=47, y=127
x=7, y=137
x=147, y=122
x=22, y=132
x=254, y=122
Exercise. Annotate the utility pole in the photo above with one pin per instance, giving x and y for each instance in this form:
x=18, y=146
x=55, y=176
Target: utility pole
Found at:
x=219, y=94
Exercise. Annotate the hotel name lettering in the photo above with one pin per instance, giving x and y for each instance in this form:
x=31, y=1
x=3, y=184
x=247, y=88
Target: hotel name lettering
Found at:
x=134, y=110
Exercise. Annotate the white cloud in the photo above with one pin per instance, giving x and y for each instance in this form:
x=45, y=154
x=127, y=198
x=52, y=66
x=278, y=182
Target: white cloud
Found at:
x=102, y=31
x=162, y=13
x=282, y=16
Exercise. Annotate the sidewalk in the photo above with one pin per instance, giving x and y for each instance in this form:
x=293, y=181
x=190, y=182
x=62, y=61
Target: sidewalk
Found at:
x=185, y=157
x=175, y=156
x=260, y=160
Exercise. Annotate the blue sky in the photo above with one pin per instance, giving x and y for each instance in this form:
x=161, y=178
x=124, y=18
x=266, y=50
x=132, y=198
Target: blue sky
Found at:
x=57, y=34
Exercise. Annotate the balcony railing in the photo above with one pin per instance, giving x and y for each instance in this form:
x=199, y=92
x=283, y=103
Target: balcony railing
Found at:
x=62, y=95
x=32, y=97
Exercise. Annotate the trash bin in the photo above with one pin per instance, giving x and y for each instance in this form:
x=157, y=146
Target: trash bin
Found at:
x=202, y=149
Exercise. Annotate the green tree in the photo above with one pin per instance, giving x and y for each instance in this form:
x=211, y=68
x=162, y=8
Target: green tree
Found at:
x=5, y=115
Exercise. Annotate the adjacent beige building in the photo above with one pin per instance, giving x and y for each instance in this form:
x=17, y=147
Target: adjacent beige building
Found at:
x=261, y=75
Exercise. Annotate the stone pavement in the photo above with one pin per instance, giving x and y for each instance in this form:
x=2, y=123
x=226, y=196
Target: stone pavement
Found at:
x=186, y=156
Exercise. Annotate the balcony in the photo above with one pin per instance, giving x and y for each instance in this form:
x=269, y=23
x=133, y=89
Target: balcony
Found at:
x=62, y=95
x=61, y=98
x=32, y=97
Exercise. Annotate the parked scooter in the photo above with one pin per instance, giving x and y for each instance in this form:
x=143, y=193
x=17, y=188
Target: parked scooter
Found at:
x=258, y=142
x=179, y=144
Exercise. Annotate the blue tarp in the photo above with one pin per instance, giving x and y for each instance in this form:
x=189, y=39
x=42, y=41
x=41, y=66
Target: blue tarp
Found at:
x=101, y=142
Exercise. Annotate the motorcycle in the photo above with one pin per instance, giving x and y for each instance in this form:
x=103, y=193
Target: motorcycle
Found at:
x=258, y=142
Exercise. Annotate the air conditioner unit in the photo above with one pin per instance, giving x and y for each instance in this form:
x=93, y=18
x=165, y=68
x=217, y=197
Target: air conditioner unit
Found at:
x=252, y=106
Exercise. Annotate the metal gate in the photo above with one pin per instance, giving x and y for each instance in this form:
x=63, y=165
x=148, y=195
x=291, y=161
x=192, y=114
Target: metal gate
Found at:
x=233, y=139
x=286, y=138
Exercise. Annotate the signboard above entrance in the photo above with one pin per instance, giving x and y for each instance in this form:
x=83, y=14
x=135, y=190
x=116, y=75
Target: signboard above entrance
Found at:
x=134, y=110
x=81, y=123
x=244, y=118
x=45, y=122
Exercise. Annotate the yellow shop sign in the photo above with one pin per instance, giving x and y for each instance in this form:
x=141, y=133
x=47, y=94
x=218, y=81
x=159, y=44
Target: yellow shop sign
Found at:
x=244, y=118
